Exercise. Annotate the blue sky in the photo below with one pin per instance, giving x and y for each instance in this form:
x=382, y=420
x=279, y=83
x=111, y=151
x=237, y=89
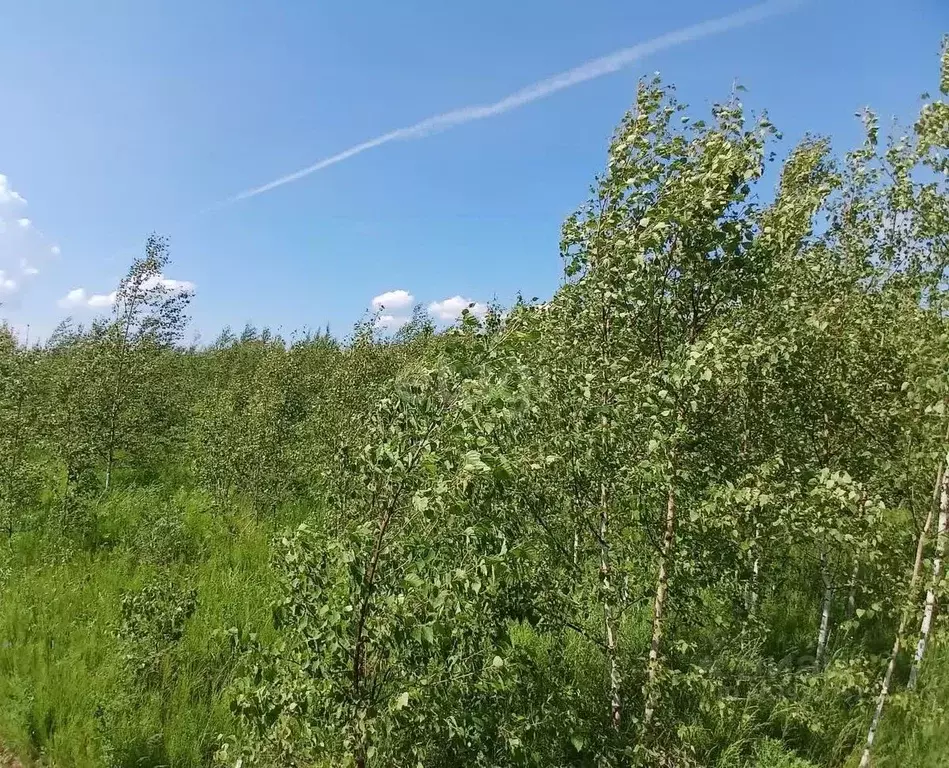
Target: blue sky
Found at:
x=120, y=118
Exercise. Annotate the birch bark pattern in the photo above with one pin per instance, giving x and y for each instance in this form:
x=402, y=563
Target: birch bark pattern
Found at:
x=852, y=588
x=824, y=631
x=753, y=595
x=751, y=588
x=616, y=681
x=904, y=619
x=930, y=608
x=616, y=703
x=652, y=671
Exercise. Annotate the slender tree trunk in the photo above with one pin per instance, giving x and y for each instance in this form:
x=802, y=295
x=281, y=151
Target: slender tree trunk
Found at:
x=662, y=583
x=855, y=570
x=941, y=529
x=111, y=456
x=751, y=593
x=616, y=681
x=119, y=373
x=852, y=588
x=904, y=618
x=823, y=633
x=754, y=552
x=359, y=646
x=114, y=419
x=72, y=477
x=881, y=699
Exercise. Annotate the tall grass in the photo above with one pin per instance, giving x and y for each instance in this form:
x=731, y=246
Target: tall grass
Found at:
x=915, y=731
x=67, y=695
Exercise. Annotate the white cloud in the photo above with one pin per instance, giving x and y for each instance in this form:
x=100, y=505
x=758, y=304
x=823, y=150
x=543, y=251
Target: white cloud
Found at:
x=78, y=297
x=392, y=322
x=24, y=249
x=74, y=298
x=175, y=286
x=101, y=299
x=393, y=300
x=451, y=308
x=178, y=285
x=7, y=193
x=55, y=250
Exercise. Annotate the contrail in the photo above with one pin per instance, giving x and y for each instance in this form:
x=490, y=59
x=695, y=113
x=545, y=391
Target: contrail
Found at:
x=591, y=70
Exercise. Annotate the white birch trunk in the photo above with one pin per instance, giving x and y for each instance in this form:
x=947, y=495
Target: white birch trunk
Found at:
x=652, y=670
x=616, y=680
x=852, y=589
x=753, y=596
x=930, y=608
x=855, y=570
x=881, y=700
x=616, y=704
x=938, y=492
x=824, y=632
x=751, y=591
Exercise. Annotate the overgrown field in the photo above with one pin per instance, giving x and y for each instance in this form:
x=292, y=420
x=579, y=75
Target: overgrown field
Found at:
x=691, y=511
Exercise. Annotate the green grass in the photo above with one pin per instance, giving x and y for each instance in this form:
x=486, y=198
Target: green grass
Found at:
x=915, y=729
x=67, y=695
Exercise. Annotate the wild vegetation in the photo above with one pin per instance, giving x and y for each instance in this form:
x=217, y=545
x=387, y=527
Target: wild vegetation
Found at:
x=691, y=511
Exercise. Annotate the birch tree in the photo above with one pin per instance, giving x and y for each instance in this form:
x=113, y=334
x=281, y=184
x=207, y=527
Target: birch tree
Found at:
x=148, y=316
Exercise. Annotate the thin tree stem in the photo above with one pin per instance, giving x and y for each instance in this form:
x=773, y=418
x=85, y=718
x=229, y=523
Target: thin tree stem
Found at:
x=941, y=479
x=662, y=583
x=852, y=588
x=823, y=633
x=929, y=610
x=616, y=704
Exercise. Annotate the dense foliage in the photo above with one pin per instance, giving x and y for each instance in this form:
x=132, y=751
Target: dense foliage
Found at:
x=692, y=511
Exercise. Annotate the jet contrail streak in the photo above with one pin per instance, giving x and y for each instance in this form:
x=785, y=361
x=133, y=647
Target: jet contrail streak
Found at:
x=591, y=70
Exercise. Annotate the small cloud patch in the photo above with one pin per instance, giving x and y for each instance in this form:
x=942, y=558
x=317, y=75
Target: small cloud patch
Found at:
x=450, y=309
